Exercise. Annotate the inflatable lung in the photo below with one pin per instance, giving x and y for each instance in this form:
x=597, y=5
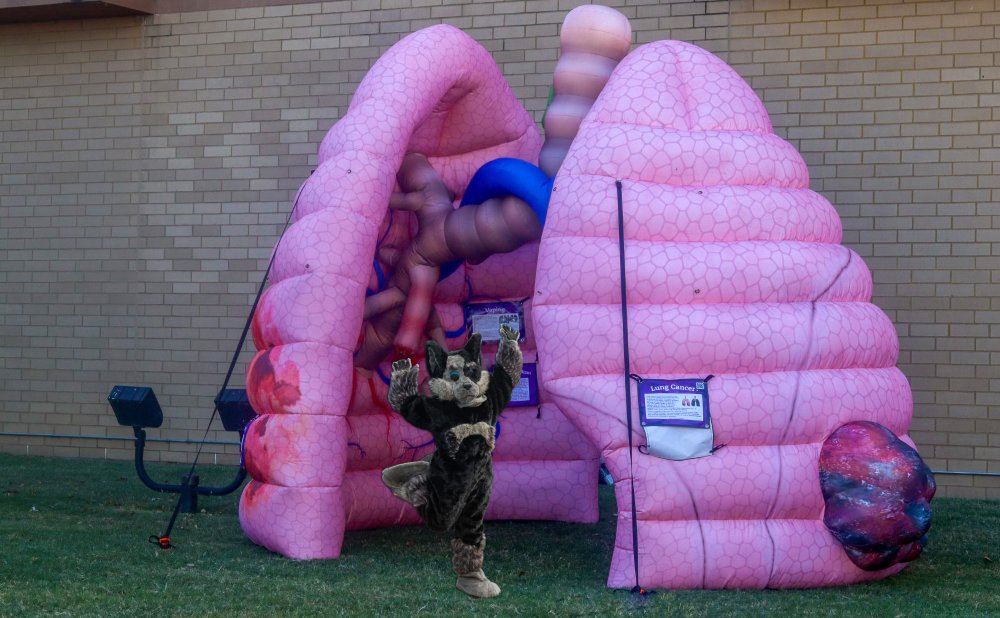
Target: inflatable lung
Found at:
x=733, y=268
x=325, y=431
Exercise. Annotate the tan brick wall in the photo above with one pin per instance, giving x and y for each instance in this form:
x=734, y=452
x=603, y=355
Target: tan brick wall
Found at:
x=147, y=166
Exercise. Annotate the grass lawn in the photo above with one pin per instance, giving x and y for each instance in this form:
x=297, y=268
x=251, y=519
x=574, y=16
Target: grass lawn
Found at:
x=73, y=542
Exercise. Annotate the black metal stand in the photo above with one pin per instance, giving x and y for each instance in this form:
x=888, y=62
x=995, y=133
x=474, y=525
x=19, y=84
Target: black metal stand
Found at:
x=189, y=489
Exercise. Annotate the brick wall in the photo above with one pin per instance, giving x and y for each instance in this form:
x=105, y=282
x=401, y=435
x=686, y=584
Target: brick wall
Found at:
x=147, y=167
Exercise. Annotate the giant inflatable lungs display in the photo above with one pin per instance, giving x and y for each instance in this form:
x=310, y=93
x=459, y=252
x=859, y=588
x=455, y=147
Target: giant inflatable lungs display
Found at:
x=732, y=269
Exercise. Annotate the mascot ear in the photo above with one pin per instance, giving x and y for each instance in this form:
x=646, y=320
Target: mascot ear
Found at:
x=472, y=347
x=437, y=357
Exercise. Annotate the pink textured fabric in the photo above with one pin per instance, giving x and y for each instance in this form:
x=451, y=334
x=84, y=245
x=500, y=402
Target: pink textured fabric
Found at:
x=316, y=453
x=734, y=269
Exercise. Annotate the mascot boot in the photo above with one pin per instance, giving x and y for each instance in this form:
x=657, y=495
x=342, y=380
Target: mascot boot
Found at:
x=408, y=481
x=467, y=560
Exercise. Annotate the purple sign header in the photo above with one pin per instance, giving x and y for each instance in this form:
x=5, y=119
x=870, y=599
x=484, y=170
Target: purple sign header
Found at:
x=679, y=403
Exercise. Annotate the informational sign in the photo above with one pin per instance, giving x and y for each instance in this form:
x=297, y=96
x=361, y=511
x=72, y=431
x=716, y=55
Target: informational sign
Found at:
x=526, y=391
x=487, y=318
x=675, y=403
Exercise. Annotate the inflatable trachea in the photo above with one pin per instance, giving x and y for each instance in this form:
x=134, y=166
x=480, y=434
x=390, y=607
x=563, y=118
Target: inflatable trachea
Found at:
x=734, y=268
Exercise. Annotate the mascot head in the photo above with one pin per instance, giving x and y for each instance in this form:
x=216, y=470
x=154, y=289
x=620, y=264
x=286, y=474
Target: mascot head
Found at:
x=458, y=376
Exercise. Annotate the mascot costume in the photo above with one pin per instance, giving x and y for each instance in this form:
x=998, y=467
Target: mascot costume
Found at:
x=451, y=488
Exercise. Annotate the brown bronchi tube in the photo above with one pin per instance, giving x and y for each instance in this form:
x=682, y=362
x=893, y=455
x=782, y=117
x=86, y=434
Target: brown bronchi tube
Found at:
x=397, y=318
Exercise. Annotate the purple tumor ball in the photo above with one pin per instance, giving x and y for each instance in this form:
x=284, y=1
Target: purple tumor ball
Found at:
x=877, y=491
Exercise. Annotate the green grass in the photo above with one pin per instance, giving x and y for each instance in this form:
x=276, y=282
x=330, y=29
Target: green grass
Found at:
x=73, y=542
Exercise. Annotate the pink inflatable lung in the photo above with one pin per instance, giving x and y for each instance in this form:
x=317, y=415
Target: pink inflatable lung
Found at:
x=733, y=269
x=325, y=431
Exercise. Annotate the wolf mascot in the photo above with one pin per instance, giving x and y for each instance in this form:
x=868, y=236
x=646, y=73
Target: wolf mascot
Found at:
x=452, y=489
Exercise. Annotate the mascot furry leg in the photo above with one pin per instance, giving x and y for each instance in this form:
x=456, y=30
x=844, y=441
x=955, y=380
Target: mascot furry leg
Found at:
x=452, y=488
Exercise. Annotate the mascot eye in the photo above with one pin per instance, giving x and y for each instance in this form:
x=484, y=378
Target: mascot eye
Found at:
x=454, y=375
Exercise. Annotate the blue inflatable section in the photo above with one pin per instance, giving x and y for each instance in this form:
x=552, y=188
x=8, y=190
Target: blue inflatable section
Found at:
x=503, y=177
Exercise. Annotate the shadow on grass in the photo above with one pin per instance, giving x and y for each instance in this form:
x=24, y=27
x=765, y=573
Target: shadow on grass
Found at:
x=73, y=541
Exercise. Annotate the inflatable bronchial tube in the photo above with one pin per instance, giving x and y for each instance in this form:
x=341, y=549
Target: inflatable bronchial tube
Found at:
x=593, y=39
x=734, y=268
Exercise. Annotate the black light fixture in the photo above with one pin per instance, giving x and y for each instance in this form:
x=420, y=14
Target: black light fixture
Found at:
x=234, y=409
x=137, y=407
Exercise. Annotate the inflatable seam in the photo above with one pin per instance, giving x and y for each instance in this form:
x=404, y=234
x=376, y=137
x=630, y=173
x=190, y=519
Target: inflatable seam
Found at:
x=717, y=373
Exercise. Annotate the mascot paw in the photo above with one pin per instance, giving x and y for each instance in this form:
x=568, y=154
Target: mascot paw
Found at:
x=467, y=561
x=414, y=491
x=509, y=333
x=476, y=585
x=401, y=365
x=453, y=437
x=509, y=354
x=402, y=383
x=408, y=481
